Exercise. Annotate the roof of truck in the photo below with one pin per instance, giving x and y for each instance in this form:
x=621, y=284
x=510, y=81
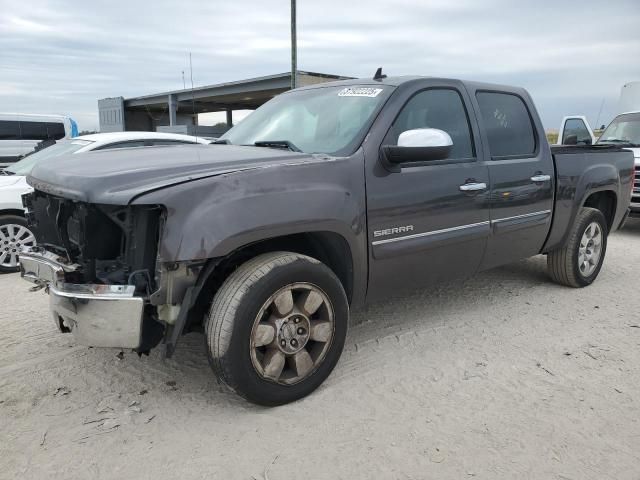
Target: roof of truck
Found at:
x=397, y=81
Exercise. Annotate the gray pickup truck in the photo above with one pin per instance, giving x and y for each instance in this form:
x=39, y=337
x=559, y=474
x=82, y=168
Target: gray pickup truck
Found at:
x=323, y=198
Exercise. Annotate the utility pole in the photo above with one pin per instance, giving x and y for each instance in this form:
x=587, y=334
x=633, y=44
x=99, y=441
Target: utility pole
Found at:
x=294, y=46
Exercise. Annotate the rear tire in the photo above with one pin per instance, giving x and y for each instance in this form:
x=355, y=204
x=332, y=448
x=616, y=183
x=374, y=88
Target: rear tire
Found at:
x=579, y=261
x=252, y=342
x=14, y=235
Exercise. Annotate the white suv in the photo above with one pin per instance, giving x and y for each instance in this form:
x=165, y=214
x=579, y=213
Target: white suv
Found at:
x=14, y=233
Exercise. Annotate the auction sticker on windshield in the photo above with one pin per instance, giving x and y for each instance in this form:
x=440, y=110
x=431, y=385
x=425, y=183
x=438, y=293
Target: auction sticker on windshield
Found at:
x=359, y=92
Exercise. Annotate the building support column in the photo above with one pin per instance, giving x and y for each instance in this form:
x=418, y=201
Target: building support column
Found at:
x=173, y=107
x=229, y=118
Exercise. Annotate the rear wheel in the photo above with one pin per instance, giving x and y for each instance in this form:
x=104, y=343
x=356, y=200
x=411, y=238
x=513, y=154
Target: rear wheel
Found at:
x=276, y=327
x=578, y=263
x=14, y=235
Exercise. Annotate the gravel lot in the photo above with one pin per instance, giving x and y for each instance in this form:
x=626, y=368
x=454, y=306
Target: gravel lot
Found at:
x=502, y=376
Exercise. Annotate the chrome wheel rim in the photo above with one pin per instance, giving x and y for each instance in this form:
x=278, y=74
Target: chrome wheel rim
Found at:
x=13, y=238
x=292, y=333
x=590, y=249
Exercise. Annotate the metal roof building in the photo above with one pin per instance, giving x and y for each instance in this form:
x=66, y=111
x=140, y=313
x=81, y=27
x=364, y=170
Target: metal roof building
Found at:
x=177, y=111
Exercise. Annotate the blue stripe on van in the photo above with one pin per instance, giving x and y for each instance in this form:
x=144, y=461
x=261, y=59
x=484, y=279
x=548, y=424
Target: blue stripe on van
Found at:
x=74, y=127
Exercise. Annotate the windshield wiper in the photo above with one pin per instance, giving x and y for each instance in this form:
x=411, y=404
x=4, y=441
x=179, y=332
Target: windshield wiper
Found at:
x=6, y=172
x=278, y=144
x=614, y=140
x=618, y=141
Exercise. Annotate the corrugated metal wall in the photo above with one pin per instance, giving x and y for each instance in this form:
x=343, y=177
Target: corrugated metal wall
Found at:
x=111, y=114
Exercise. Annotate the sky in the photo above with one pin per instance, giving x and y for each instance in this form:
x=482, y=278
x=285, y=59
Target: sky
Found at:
x=61, y=56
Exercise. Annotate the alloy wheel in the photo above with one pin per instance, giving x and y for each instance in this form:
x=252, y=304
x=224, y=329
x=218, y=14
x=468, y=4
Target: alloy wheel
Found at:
x=292, y=333
x=590, y=249
x=13, y=238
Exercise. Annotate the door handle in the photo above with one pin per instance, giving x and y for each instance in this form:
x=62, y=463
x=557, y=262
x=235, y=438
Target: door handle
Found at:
x=473, y=187
x=541, y=178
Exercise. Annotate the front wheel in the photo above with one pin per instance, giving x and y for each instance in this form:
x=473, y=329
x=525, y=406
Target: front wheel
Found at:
x=276, y=327
x=14, y=236
x=578, y=263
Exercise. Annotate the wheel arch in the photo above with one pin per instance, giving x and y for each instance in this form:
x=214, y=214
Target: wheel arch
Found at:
x=605, y=201
x=328, y=247
x=12, y=211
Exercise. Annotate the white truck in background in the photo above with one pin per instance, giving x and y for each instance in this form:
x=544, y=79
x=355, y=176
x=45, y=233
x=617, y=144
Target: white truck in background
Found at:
x=624, y=130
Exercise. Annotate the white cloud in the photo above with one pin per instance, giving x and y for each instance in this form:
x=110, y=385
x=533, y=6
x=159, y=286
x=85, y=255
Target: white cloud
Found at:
x=61, y=56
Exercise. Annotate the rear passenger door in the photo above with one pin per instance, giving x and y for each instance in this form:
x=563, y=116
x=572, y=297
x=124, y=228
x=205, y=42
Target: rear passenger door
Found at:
x=522, y=176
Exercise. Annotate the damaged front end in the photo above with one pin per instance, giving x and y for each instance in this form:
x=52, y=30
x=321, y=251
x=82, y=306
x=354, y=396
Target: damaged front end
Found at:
x=100, y=266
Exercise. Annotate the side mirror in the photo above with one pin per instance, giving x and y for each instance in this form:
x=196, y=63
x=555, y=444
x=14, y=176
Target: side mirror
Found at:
x=419, y=145
x=570, y=140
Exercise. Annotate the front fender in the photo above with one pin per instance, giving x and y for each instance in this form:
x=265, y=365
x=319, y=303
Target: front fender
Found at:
x=212, y=217
x=11, y=193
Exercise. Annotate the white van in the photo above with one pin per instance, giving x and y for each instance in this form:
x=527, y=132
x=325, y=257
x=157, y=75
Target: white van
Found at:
x=20, y=133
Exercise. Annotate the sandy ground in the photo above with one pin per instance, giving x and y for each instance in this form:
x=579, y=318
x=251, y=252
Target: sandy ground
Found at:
x=502, y=376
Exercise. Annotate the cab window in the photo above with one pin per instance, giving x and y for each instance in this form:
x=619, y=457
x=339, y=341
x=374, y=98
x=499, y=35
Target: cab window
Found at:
x=508, y=125
x=442, y=109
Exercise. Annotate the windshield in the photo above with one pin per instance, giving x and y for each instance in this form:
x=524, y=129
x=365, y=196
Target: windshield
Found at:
x=24, y=166
x=329, y=120
x=624, y=129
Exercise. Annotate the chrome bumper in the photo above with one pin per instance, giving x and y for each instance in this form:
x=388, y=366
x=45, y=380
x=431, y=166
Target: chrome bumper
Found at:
x=97, y=315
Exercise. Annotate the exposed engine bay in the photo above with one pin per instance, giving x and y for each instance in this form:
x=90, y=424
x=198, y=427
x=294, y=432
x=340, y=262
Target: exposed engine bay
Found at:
x=112, y=244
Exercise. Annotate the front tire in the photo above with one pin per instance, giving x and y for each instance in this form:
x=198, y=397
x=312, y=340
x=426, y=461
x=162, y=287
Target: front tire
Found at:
x=276, y=327
x=578, y=263
x=14, y=235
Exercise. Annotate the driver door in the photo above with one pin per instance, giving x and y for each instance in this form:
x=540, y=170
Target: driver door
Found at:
x=428, y=221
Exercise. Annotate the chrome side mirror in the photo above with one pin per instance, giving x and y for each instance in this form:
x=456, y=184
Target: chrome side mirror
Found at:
x=419, y=145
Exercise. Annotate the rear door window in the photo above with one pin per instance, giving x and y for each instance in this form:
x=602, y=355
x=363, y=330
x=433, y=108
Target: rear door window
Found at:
x=34, y=130
x=508, y=125
x=127, y=144
x=9, y=130
x=156, y=143
x=55, y=130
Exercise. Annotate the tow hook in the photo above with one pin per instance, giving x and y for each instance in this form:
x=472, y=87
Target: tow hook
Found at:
x=39, y=285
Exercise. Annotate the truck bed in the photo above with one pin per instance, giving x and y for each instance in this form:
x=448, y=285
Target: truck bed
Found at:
x=588, y=168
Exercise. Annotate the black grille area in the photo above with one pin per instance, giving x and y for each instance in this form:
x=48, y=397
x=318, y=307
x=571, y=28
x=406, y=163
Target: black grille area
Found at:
x=636, y=181
x=112, y=244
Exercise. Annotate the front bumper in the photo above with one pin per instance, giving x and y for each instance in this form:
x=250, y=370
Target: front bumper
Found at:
x=97, y=315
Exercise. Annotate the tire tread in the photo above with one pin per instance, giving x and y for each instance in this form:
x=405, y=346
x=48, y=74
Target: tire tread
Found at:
x=560, y=261
x=226, y=302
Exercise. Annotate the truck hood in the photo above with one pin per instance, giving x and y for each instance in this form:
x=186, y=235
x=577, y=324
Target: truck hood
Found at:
x=118, y=176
